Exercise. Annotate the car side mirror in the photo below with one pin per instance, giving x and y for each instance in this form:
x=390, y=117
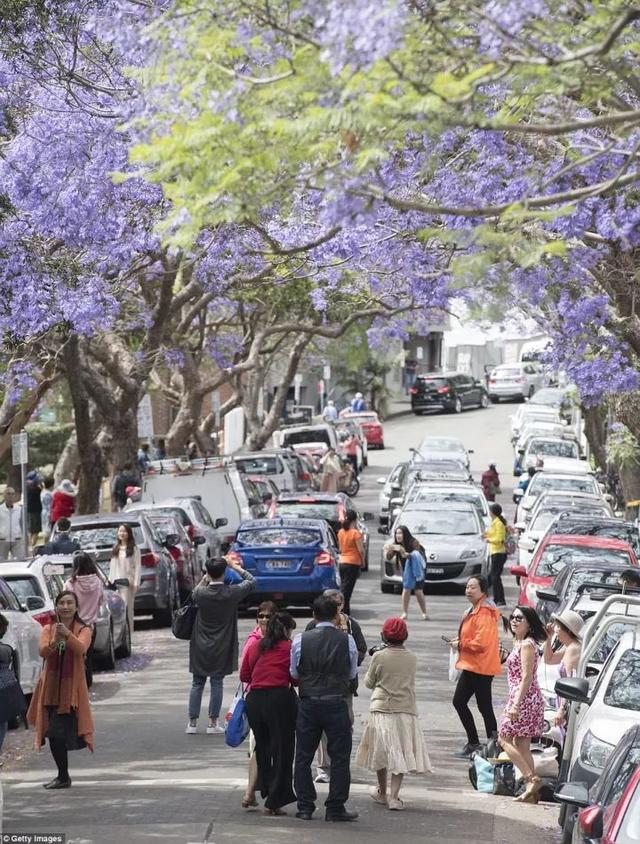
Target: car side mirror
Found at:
x=220, y=522
x=199, y=540
x=518, y=571
x=381, y=481
x=518, y=493
x=549, y=595
x=573, y=688
x=171, y=540
x=573, y=794
x=34, y=602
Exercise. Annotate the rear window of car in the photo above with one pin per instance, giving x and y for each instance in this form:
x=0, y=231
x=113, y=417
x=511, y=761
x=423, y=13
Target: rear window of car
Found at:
x=506, y=373
x=434, y=382
x=444, y=497
x=542, y=482
x=441, y=523
x=610, y=531
x=555, y=449
x=23, y=587
x=623, y=691
x=259, y=465
x=307, y=509
x=279, y=536
x=103, y=537
x=555, y=557
x=314, y=435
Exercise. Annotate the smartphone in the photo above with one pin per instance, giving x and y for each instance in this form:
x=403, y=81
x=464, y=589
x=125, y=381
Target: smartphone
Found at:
x=444, y=639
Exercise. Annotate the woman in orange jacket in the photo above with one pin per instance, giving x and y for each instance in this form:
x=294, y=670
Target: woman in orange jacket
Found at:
x=478, y=646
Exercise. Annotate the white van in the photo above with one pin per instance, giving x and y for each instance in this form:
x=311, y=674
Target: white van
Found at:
x=298, y=435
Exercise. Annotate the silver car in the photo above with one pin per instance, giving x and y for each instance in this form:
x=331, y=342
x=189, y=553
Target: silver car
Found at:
x=391, y=488
x=442, y=448
x=451, y=534
x=515, y=381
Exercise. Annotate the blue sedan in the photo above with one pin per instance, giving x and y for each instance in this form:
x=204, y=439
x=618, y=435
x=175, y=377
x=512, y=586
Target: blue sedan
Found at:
x=292, y=560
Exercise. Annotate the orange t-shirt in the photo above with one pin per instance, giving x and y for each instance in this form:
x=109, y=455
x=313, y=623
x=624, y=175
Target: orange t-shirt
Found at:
x=349, y=554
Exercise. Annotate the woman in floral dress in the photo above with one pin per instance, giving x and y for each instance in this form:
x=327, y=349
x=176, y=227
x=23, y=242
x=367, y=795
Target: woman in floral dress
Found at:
x=524, y=713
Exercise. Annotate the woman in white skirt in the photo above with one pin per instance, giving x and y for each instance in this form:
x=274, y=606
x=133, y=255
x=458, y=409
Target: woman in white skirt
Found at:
x=392, y=742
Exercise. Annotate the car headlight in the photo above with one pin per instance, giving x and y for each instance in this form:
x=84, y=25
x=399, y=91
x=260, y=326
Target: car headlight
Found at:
x=467, y=553
x=594, y=751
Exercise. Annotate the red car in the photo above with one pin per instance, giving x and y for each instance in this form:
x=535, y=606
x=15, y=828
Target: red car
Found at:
x=555, y=552
x=370, y=424
x=620, y=823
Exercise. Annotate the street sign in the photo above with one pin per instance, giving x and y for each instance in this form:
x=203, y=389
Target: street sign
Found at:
x=19, y=449
x=145, y=418
x=326, y=372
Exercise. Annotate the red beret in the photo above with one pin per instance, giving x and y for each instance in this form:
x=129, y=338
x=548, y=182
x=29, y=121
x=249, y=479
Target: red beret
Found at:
x=395, y=630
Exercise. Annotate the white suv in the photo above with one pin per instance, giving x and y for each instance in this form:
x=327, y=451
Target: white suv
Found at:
x=515, y=381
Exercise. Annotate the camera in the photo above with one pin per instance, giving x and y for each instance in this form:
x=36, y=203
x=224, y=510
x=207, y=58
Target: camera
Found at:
x=379, y=647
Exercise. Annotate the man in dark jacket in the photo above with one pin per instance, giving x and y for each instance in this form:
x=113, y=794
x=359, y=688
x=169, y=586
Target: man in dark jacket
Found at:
x=61, y=542
x=126, y=477
x=325, y=662
x=347, y=624
x=213, y=648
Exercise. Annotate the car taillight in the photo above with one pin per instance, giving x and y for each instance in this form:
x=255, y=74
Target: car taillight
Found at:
x=413, y=390
x=304, y=476
x=150, y=559
x=492, y=380
x=590, y=820
x=192, y=532
x=45, y=618
x=234, y=557
x=443, y=389
x=324, y=558
x=175, y=552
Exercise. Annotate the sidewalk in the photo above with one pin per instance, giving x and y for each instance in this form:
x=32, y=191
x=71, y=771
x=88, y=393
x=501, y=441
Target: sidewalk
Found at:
x=398, y=407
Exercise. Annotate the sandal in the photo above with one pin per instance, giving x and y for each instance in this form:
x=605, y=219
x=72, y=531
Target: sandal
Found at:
x=530, y=794
x=378, y=797
x=395, y=805
x=249, y=802
x=274, y=813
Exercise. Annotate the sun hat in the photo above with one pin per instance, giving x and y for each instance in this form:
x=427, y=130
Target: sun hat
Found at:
x=395, y=630
x=68, y=487
x=572, y=620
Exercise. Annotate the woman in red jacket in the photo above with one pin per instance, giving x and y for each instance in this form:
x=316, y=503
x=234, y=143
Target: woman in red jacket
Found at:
x=63, y=503
x=272, y=707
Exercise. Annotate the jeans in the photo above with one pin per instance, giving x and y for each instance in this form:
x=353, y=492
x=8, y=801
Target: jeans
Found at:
x=3, y=732
x=195, y=696
x=469, y=684
x=315, y=717
x=495, y=577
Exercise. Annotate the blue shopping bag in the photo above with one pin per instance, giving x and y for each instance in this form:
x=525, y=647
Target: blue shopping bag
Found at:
x=237, y=728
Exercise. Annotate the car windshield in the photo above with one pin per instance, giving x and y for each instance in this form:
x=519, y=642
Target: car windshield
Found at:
x=473, y=498
x=441, y=523
x=555, y=557
x=164, y=526
x=103, y=537
x=544, y=518
x=313, y=435
x=623, y=691
x=257, y=465
x=307, y=509
x=279, y=536
x=434, y=382
x=602, y=576
x=440, y=444
x=542, y=482
x=173, y=511
x=555, y=448
x=23, y=587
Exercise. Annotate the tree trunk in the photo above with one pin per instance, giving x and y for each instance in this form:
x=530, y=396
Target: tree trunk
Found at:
x=15, y=415
x=89, y=453
x=68, y=460
x=595, y=430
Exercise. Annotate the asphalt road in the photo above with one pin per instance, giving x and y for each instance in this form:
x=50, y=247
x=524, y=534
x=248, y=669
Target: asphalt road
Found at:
x=149, y=782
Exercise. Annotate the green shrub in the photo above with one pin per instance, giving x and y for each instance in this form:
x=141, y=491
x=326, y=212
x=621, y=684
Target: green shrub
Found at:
x=46, y=442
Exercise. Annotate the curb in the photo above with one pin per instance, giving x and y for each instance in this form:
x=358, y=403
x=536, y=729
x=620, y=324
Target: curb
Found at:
x=396, y=414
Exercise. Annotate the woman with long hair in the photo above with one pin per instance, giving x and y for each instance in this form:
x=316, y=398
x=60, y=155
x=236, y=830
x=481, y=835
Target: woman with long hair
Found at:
x=495, y=536
x=88, y=587
x=409, y=557
x=524, y=711
x=272, y=707
x=125, y=562
x=351, y=544
x=266, y=611
x=478, y=646
x=60, y=709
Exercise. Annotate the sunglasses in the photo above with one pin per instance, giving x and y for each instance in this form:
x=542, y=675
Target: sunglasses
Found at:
x=516, y=618
x=263, y=615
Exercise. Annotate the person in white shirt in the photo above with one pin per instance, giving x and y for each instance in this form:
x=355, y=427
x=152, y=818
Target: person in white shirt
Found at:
x=11, y=538
x=125, y=562
x=330, y=413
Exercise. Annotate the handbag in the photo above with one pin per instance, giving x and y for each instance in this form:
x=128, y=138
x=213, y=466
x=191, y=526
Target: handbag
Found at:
x=237, y=728
x=454, y=673
x=184, y=619
x=481, y=774
x=504, y=779
x=13, y=703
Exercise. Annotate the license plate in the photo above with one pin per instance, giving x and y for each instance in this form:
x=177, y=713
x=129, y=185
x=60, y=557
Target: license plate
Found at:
x=431, y=570
x=278, y=564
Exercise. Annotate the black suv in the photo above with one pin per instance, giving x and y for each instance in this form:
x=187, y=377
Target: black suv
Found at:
x=450, y=391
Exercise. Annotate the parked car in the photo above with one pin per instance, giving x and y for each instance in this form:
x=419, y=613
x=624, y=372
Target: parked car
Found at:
x=113, y=636
x=158, y=591
x=516, y=381
x=391, y=487
x=293, y=560
x=448, y=493
x=23, y=635
x=599, y=807
x=535, y=428
x=529, y=414
x=556, y=397
x=330, y=506
x=448, y=391
x=35, y=590
x=545, y=481
x=556, y=552
x=181, y=547
x=452, y=537
x=271, y=464
x=546, y=447
x=370, y=424
x=443, y=448
x=301, y=435
x=578, y=524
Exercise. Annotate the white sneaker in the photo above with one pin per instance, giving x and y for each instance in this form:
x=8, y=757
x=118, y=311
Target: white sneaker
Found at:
x=214, y=730
x=192, y=729
x=322, y=776
x=403, y=615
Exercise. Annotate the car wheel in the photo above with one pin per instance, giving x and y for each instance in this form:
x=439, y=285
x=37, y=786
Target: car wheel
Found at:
x=109, y=659
x=381, y=446
x=354, y=488
x=125, y=648
x=457, y=405
x=484, y=400
x=387, y=588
